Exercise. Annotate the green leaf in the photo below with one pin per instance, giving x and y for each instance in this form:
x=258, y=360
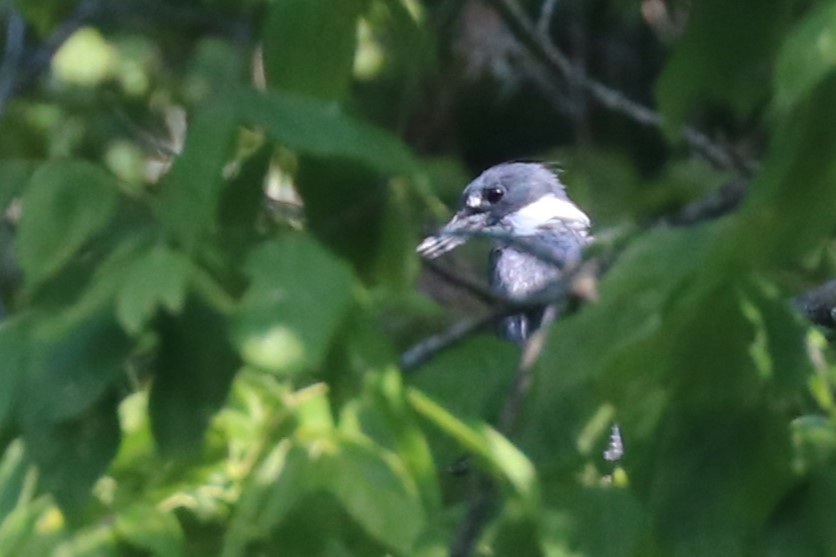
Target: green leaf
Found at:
x=485, y=443
x=375, y=492
x=71, y=455
x=15, y=490
x=603, y=521
x=790, y=208
x=155, y=279
x=151, y=529
x=195, y=366
x=801, y=525
x=389, y=410
x=65, y=204
x=345, y=208
x=317, y=68
x=31, y=529
x=14, y=174
x=317, y=128
x=71, y=366
x=298, y=295
x=807, y=55
x=724, y=57
x=190, y=191
x=482, y=366
x=15, y=350
x=95, y=541
x=278, y=482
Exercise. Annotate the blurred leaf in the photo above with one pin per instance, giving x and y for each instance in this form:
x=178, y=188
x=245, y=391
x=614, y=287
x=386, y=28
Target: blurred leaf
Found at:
x=241, y=203
x=14, y=174
x=807, y=55
x=195, y=366
x=156, y=278
x=71, y=455
x=396, y=266
x=31, y=530
x=482, y=366
x=94, y=541
x=724, y=57
x=14, y=469
x=190, y=191
x=216, y=67
x=86, y=58
x=65, y=204
x=387, y=418
x=14, y=353
x=485, y=443
x=606, y=522
x=317, y=68
x=375, y=492
x=801, y=526
x=814, y=440
x=345, y=207
x=298, y=295
x=71, y=366
x=321, y=129
x=150, y=529
x=43, y=15
x=793, y=198
x=613, y=338
x=278, y=482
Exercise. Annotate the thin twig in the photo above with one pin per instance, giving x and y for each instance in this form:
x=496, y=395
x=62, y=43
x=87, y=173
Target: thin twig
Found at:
x=711, y=206
x=473, y=287
x=430, y=346
x=532, y=349
x=479, y=510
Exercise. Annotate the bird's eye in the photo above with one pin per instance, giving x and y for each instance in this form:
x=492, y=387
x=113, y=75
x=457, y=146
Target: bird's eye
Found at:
x=493, y=195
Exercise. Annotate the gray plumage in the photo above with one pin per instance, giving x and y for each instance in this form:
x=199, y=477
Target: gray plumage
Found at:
x=537, y=231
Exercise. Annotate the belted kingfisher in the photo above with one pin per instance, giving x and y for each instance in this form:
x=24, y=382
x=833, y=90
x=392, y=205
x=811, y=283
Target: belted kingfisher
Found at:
x=537, y=233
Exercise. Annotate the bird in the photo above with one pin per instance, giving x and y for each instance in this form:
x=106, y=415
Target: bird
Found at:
x=537, y=234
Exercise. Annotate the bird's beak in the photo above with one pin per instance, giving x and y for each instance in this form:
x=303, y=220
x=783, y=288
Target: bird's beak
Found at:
x=454, y=234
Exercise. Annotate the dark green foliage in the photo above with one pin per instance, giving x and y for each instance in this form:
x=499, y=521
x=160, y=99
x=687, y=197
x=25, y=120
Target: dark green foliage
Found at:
x=208, y=273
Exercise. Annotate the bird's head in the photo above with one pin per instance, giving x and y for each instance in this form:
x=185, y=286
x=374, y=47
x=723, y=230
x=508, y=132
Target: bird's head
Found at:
x=518, y=199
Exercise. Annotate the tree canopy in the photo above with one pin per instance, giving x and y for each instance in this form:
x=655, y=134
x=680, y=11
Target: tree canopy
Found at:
x=217, y=338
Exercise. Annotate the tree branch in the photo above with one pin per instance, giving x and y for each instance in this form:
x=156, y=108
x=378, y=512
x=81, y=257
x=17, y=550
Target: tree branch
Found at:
x=549, y=55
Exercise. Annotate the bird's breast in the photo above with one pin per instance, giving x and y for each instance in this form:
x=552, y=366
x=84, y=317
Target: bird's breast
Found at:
x=518, y=274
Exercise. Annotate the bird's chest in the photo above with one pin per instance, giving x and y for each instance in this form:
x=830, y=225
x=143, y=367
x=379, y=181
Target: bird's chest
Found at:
x=517, y=274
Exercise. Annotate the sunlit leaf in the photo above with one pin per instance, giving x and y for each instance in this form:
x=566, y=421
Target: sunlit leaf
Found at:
x=278, y=482
x=807, y=55
x=150, y=529
x=377, y=494
x=298, y=294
